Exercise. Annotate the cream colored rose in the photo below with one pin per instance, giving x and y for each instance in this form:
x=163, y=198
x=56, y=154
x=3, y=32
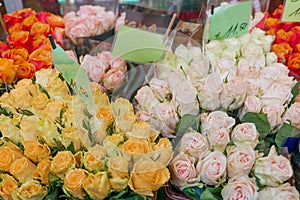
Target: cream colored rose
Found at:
x=73, y=182
x=70, y=135
x=8, y=156
x=136, y=148
x=284, y=191
x=52, y=110
x=245, y=134
x=240, y=187
x=218, y=139
x=148, y=176
x=57, y=89
x=271, y=58
x=125, y=121
x=195, y=145
x=35, y=151
x=120, y=106
x=162, y=151
x=292, y=115
x=22, y=169
x=159, y=87
x=42, y=171
x=61, y=163
x=216, y=120
x=250, y=50
x=30, y=190
x=213, y=168
x=140, y=130
x=251, y=104
x=28, y=128
x=146, y=98
x=277, y=93
x=183, y=171
x=8, y=129
x=273, y=170
x=105, y=116
x=97, y=185
x=28, y=85
x=274, y=112
x=98, y=151
x=240, y=161
x=47, y=130
x=118, y=172
x=92, y=163
x=20, y=98
x=40, y=102
x=7, y=185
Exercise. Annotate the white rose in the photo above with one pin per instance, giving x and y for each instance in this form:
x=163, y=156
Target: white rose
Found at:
x=245, y=134
x=271, y=58
x=198, y=69
x=159, y=87
x=284, y=191
x=251, y=104
x=218, y=138
x=277, y=93
x=267, y=42
x=292, y=115
x=146, y=98
x=194, y=144
x=250, y=50
x=216, y=120
x=213, y=168
x=240, y=187
x=215, y=47
x=226, y=68
x=245, y=38
x=253, y=87
x=182, y=52
x=273, y=170
x=240, y=160
x=195, y=52
x=274, y=112
x=232, y=43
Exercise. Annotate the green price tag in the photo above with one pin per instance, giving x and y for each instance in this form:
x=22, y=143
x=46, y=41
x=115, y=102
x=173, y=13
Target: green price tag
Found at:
x=74, y=75
x=138, y=45
x=291, y=11
x=230, y=21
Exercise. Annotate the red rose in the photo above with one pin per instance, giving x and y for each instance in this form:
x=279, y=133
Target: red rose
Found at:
x=283, y=36
x=296, y=36
x=278, y=12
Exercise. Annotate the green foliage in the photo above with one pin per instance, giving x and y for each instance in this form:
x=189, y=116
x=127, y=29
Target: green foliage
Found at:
x=211, y=193
x=193, y=192
x=284, y=132
x=44, y=91
x=4, y=112
x=71, y=148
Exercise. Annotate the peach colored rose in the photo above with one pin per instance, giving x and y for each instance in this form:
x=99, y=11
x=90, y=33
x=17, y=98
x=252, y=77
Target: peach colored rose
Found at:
x=162, y=151
x=245, y=134
x=291, y=115
x=118, y=171
x=52, y=110
x=40, y=101
x=8, y=71
x=22, y=169
x=92, y=163
x=42, y=171
x=284, y=191
x=25, y=70
x=31, y=189
x=218, y=138
x=62, y=162
x=126, y=121
x=8, y=156
x=282, y=50
x=136, y=147
x=35, y=151
x=7, y=186
x=73, y=182
x=274, y=111
x=113, y=79
x=70, y=135
x=97, y=185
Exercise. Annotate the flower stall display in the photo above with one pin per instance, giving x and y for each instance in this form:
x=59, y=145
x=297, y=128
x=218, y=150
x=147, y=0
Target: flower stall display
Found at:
x=28, y=48
x=51, y=143
x=287, y=40
x=89, y=21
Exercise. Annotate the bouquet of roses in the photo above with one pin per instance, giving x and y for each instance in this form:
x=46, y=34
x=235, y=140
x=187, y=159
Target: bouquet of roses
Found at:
x=28, y=48
x=51, y=143
x=287, y=42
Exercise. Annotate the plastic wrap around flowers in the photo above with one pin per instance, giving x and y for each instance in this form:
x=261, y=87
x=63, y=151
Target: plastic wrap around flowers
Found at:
x=89, y=21
x=28, y=49
x=60, y=148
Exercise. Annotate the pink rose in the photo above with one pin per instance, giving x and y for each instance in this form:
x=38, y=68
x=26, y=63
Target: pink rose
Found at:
x=274, y=112
x=86, y=10
x=277, y=92
x=145, y=98
x=194, y=144
x=94, y=69
x=251, y=104
x=142, y=116
x=72, y=55
x=120, y=22
x=213, y=168
x=245, y=70
x=159, y=87
x=216, y=120
x=292, y=115
x=240, y=160
x=113, y=79
x=239, y=188
x=79, y=30
x=245, y=134
x=105, y=57
x=218, y=138
x=284, y=191
x=183, y=171
x=119, y=64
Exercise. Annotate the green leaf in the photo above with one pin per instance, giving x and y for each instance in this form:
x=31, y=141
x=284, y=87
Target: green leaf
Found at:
x=284, y=132
x=295, y=92
x=71, y=147
x=261, y=122
x=25, y=112
x=44, y=91
x=53, y=194
x=5, y=113
x=207, y=195
x=193, y=192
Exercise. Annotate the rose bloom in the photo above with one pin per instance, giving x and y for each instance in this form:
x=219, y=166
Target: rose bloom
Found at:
x=22, y=169
x=251, y=104
x=146, y=98
x=42, y=171
x=218, y=139
x=159, y=87
x=283, y=36
x=17, y=54
x=25, y=70
x=31, y=189
x=245, y=134
x=92, y=163
x=69, y=135
x=29, y=21
x=213, y=168
x=106, y=58
x=148, y=176
x=40, y=28
x=274, y=111
x=284, y=191
x=73, y=182
x=19, y=38
x=118, y=63
x=240, y=187
x=97, y=185
x=272, y=23
x=113, y=79
x=41, y=41
x=292, y=115
x=282, y=50
x=56, y=21
x=140, y=130
x=162, y=151
x=62, y=162
x=277, y=93
x=216, y=120
x=35, y=151
x=7, y=186
x=294, y=63
x=126, y=121
x=296, y=49
x=120, y=105
x=52, y=110
x=8, y=156
x=41, y=58
x=142, y=116
x=136, y=147
x=273, y=170
x=118, y=172
x=7, y=71
x=183, y=171
x=194, y=144
x=240, y=160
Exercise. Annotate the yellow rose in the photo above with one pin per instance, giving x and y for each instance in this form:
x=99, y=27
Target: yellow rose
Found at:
x=118, y=171
x=91, y=163
x=53, y=110
x=69, y=135
x=47, y=130
x=8, y=156
x=62, y=162
x=7, y=185
x=42, y=171
x=74, y=113
x=22, y=169
x=98, y=151
x=31, y=190
x=20, y=98
x=27, y=84
x=73, y=182
x=125, y=121
x=116, y=139
x=58, y=89
x=105, y=116
x=40, y=101
x=29, y=128
x=136, y=148
x=162, y=151
x=35, y=151
x=121, y=106
x=148, y=176
x=101, y=100
x=8, y=129
x=97, y=185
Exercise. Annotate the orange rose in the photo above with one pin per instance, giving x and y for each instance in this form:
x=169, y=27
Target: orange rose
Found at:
x=8, y=70
x=297, y=48
x=41, y=41
x=40, y=28
x=73, y=182
x=22, y=169
x=25, y=70
x=282, y=36
x=282, y=50
x=56, y=21
x=35, y=151
x=7, y=185
x=15, y=28
x=42, y=171
x=8, y=156
x=19, y=38
x=271, y=31
x=17, y=54
x=272, y=23
x=29, y=21
x=136, y=147
x=41, y=58
x=294, y=63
